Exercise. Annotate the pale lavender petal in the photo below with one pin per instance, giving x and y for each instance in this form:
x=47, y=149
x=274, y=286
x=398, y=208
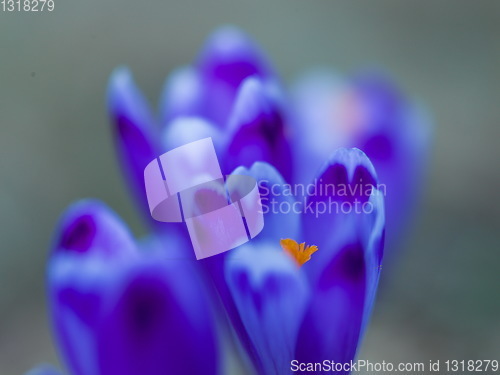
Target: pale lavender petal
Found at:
x=183, y=130
x=280, y=219
x=271, y=296
x=183, y=96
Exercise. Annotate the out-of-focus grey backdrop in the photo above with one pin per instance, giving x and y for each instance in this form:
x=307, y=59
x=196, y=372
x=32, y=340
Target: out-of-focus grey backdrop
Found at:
x=440, y=300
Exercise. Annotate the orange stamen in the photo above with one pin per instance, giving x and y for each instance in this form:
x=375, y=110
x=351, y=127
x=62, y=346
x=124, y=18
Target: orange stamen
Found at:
x=299, y=252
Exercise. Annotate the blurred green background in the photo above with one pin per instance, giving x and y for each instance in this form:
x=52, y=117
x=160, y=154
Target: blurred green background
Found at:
x=440, y=300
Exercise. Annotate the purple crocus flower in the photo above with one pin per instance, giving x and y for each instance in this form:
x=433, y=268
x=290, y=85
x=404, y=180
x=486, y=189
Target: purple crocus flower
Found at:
x=317, y=312
x=119, y=306
x=125, y=307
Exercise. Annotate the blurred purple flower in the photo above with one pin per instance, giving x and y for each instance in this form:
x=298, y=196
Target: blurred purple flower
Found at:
x=125, y=307
x=230, y=94
x=122, y=307
x=369, y=112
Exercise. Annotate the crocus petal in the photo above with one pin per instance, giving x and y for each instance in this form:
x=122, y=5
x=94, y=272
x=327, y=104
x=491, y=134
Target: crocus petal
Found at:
x=184, y=130
x=43, y=370
x=280, y=219
x=90, y=244
x=276, y=226
x=369, y=231
x=159, y=323
x=90, y=226
x=343, y=187
x=373, y=231
x=332, y=325
x=182, y=95
x=135, y=133
x=119, y=311
x=271, y=296
x=258, y=130
x=228, y=57
x=345, y=277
